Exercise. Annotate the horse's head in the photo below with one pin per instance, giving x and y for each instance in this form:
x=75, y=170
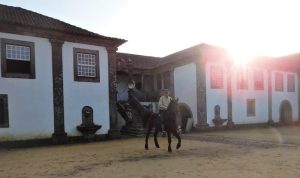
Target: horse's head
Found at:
x=173, y=106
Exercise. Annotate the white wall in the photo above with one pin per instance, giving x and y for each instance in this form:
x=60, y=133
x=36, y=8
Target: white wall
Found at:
x=240, y=96
x=185, y=86
x=279, y=96
x=80, y=94
x=215, y=96
x=30, y=101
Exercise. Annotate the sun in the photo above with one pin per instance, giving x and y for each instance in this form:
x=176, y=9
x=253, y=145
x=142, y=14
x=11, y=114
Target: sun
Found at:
x=241, y=57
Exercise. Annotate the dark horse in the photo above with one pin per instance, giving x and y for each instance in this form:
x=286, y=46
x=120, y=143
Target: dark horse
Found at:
x=170, y=125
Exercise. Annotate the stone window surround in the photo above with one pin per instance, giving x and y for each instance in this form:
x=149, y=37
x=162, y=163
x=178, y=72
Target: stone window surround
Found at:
x=251, y=110
x=81, y=78
x=258, y=79
x=290, y=83
x=4, y=42
x=216, y=77
x=278, y=81
x=242, y=79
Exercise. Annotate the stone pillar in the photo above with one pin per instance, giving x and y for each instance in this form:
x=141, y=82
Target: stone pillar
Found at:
x=59, y=135
x=269, y=77
x=172, y=91
x=114, y=132
x=142, y=81
x=155, y=82
x=201, y=96
x=162, y=82
x=230, y=123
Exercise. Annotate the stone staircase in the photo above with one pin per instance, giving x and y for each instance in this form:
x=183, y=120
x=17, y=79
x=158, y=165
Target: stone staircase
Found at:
x=135, y=115
x=136, y=128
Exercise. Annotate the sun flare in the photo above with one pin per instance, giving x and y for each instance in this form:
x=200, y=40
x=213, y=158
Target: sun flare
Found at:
x=241, y=57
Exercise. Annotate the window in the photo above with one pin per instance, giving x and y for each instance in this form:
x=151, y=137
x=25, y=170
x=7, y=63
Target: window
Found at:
x=3, y=111
x=291, y=83
x=250, y=107
x=86, y=65
x=242, y=79
x=258, y=80
x=216, y=77
x=278, y=82
x=17, y=59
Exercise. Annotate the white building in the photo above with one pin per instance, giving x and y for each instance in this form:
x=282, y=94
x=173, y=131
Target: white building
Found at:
x=205, y=77
x=50, y=70
x=262, y=91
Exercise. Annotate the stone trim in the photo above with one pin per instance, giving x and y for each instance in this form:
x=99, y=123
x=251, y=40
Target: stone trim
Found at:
x=270, y=120
x=114, y=132
x=201, y=95
x=59, y=135
x=86, y=79
x=4, y=73
x=172, y=85
x=142, y=81
x=4, y=111
x=230, y=123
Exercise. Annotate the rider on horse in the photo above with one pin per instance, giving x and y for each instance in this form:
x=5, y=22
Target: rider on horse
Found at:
x=163, y=104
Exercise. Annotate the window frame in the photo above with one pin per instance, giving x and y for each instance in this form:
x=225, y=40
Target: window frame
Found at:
x=4, y=72
x=242, y=79
x=257, y=74
x=277, y=82
x=75, y=69
x=251, y=112
x=4, y=108
x=291, y=87
x=216, y=77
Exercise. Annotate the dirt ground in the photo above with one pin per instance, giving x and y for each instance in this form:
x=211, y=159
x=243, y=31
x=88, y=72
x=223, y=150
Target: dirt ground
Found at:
x=267, y=152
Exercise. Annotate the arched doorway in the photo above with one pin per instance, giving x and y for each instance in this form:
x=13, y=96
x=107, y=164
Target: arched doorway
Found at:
x=185, y=114
x=285, y=112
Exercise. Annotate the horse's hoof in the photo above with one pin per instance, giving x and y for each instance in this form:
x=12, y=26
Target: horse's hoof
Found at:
x=157, y=146
x=169, y=150
x=178, y=146
x=146, y=147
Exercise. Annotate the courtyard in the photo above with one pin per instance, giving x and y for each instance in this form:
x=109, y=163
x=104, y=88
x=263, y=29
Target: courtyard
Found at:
x=260, y=152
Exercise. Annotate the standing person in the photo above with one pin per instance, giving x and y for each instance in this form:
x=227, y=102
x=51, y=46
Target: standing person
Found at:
x=163, y=104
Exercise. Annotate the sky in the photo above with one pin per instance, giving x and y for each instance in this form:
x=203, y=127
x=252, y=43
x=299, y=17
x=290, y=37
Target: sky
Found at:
x=161, y=27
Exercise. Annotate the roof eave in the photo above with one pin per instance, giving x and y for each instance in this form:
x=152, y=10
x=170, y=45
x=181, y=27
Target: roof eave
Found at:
x=49, y=33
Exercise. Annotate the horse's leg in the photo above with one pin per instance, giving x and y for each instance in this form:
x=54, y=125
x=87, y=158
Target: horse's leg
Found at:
x=147, y=135
x=169, y=141
x=178, y=137
x=155, y=136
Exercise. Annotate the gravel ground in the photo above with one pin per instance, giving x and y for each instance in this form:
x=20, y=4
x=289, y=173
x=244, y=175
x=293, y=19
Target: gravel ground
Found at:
x=268, y=152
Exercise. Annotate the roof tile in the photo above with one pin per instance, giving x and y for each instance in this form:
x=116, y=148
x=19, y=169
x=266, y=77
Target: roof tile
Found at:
x=20, y=16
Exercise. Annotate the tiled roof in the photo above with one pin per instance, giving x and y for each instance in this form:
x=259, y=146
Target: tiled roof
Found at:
x=20, y=16
x=149, y=62
x=138, y=61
